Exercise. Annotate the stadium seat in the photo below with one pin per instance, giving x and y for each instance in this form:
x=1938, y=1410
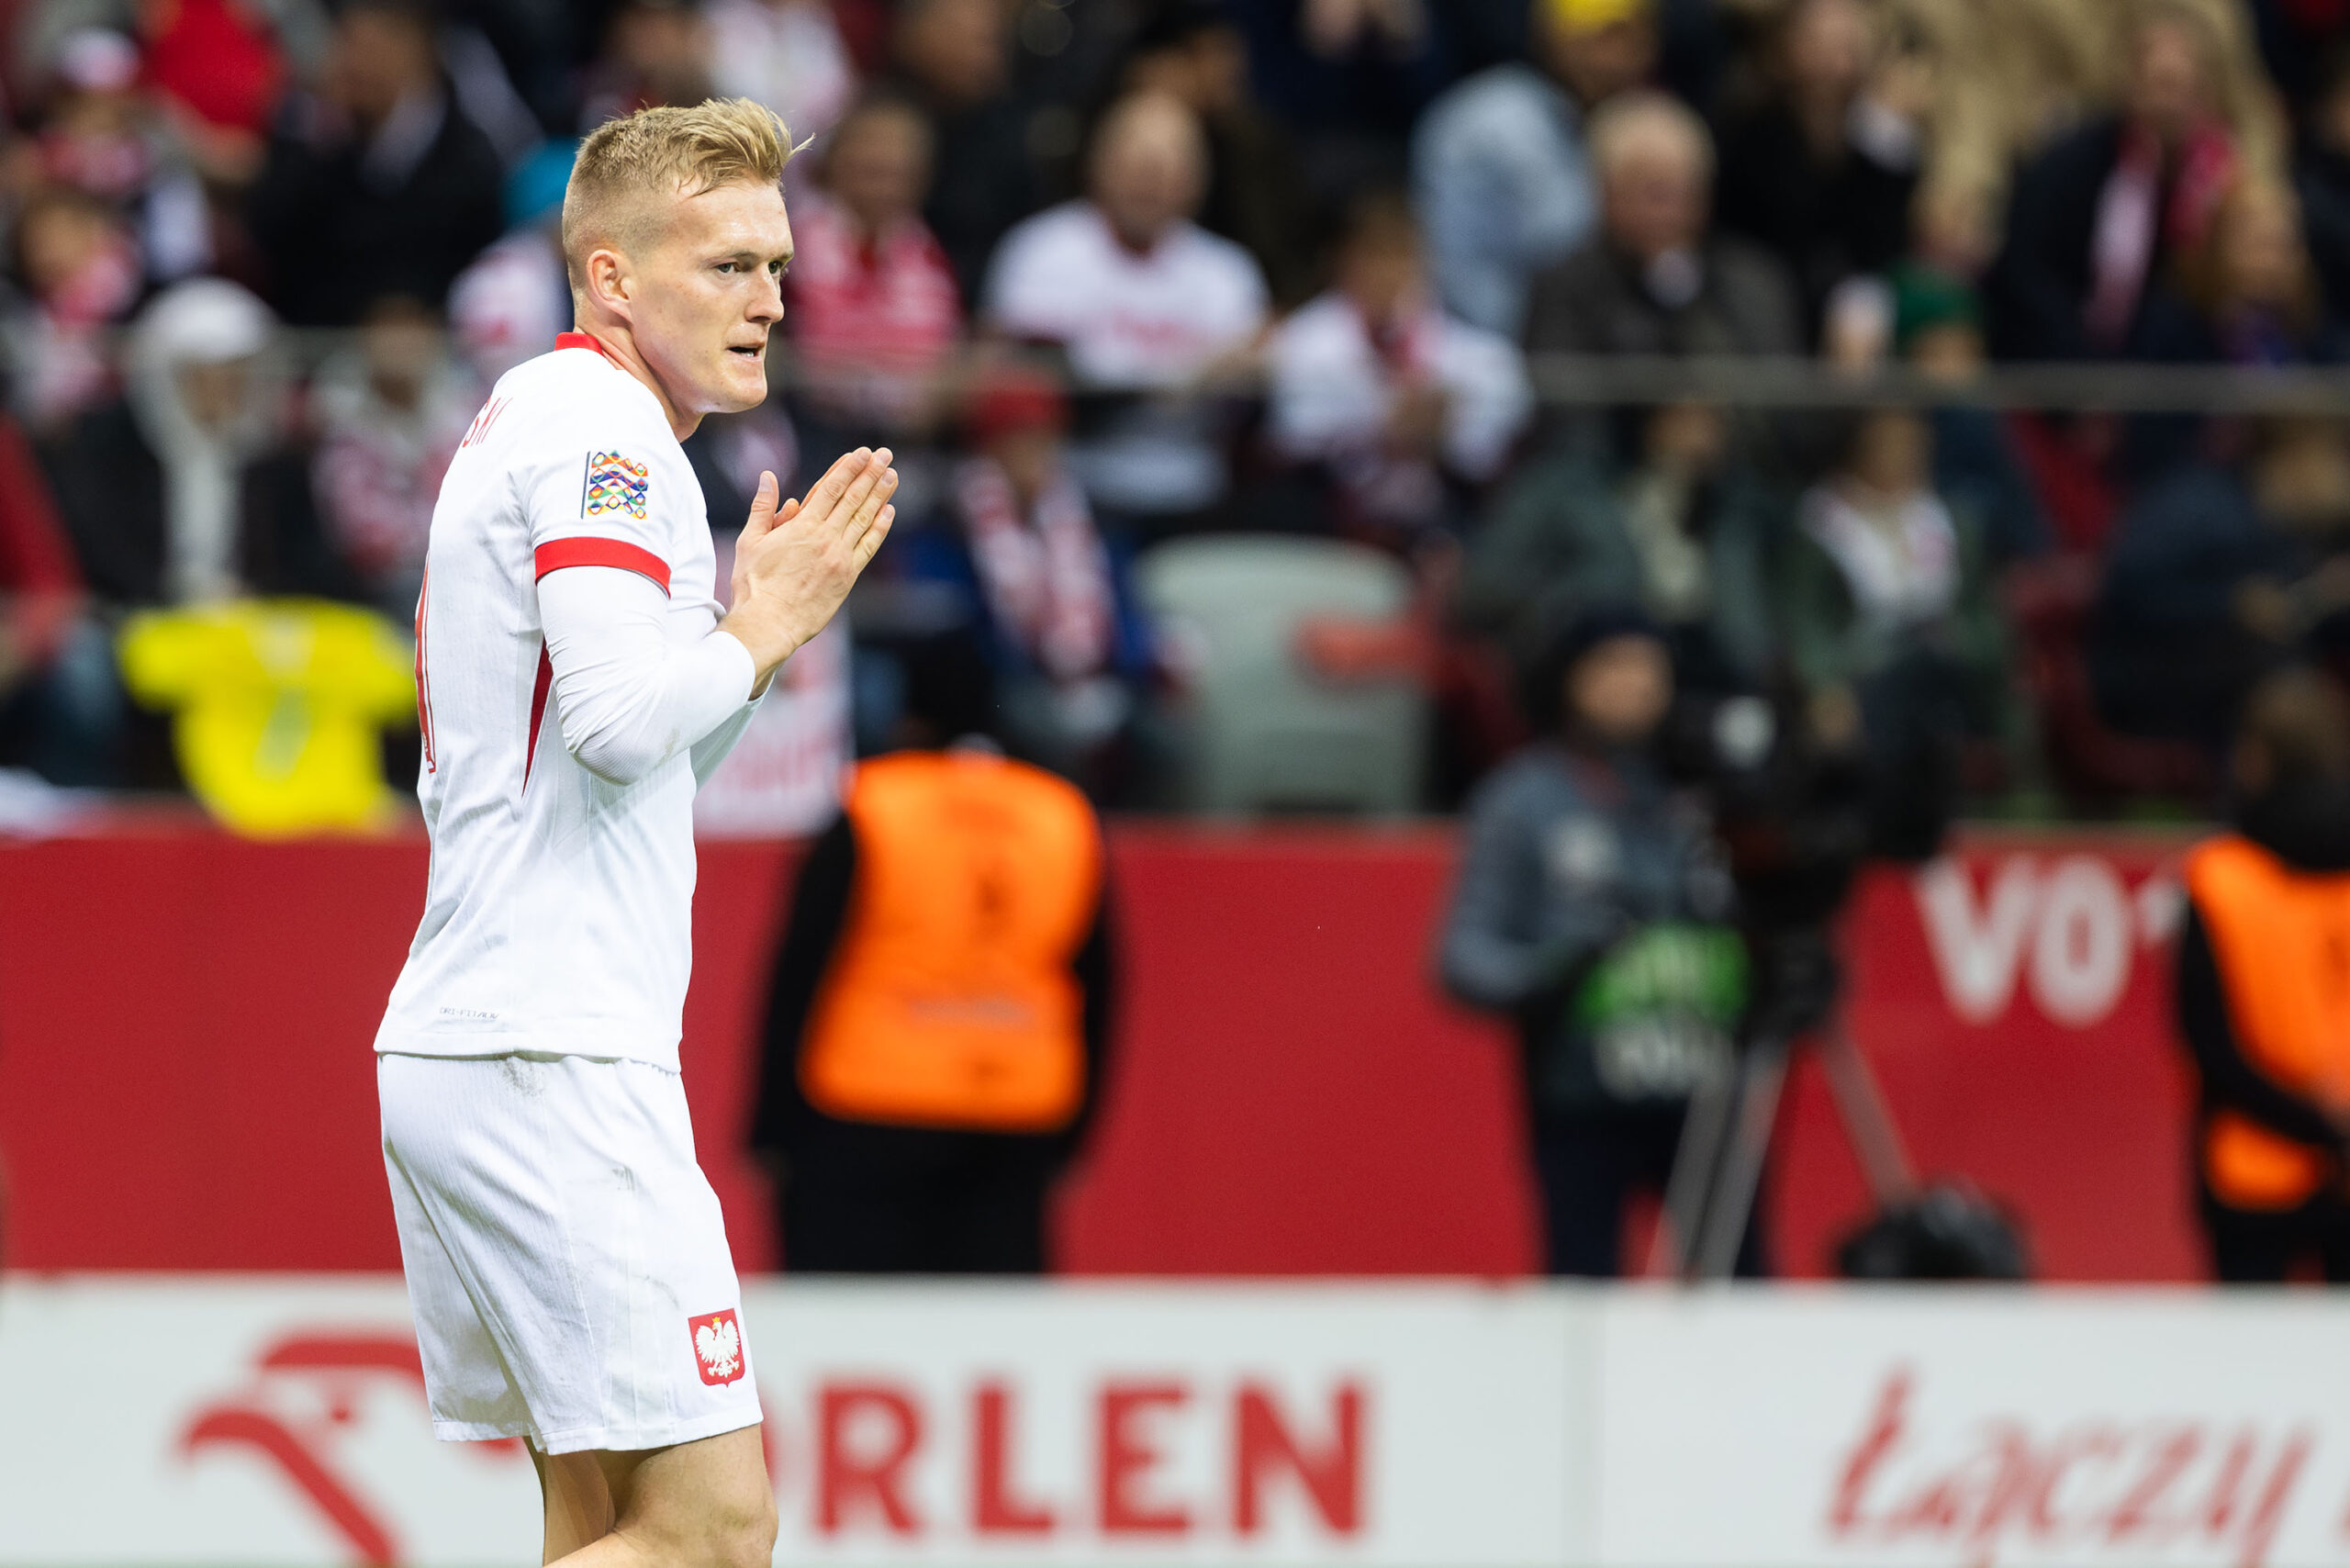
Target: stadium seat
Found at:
x=1268, y=728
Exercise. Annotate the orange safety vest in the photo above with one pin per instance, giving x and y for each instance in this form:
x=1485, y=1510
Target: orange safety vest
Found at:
x=2281, y=940
x=949, y=1002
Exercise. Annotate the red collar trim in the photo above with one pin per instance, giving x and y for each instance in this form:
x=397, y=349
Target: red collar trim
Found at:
x=580, y=340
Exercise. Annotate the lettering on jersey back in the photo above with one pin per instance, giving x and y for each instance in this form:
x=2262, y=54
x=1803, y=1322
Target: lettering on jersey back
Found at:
x=480, y=430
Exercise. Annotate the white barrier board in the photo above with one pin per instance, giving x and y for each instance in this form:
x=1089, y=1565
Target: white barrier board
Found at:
x=175, y=1419
x=204, y=1419
x=1804, y=1426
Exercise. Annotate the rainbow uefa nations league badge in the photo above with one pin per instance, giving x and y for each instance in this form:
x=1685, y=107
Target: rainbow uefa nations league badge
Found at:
x=615, y=484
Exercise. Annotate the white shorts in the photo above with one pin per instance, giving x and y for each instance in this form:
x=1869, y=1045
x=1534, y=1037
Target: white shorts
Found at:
x=566, y=1260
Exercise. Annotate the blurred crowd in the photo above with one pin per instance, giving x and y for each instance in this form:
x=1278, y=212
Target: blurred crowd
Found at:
x=1213, y=337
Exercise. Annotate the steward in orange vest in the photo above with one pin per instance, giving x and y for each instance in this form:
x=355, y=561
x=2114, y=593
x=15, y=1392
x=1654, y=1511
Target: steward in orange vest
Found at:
x=938, y=1017
x=2263, y=993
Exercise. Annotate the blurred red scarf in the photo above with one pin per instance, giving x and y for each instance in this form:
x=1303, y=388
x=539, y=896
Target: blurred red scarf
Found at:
x=1048, y=586
x=2133, y=218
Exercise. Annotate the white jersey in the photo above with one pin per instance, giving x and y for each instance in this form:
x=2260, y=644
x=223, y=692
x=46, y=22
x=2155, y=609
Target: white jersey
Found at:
x=558, y=916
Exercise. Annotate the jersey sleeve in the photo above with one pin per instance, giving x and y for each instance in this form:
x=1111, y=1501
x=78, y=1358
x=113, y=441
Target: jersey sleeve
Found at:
x=628, y=698
x=604, y=493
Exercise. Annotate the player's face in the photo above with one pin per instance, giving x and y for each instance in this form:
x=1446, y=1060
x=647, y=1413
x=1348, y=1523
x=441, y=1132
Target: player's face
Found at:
x=713, y=291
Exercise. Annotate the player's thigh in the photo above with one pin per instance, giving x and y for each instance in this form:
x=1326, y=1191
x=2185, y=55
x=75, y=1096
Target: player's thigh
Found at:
x=704, y=1502
x=577, y=1499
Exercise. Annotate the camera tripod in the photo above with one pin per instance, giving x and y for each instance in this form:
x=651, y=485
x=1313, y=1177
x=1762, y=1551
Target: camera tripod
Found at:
x=1710, y=1195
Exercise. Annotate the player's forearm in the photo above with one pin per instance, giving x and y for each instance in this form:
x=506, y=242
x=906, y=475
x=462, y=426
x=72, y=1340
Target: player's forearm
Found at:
x=627, y=699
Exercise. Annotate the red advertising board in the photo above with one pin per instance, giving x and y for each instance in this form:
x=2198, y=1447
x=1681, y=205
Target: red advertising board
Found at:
x=185, y=1080
x=2015, y=998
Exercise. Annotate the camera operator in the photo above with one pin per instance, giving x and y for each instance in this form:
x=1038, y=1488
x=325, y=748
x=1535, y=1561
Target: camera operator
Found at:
x=1594, y=907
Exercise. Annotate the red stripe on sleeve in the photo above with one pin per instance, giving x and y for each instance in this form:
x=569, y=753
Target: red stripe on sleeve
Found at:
x=557, y=554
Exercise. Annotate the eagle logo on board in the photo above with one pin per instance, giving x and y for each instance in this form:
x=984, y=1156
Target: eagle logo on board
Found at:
x=616, y=486
x=718, y=1347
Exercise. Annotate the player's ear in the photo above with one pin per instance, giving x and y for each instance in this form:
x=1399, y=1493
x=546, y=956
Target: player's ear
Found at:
x=610, y=280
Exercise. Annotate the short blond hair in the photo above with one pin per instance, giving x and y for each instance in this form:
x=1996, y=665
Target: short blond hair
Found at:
x=664, y=151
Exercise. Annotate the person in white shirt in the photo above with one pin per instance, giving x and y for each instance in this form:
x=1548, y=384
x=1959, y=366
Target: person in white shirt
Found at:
x=576, y=680
x=1395, y=397
x=1144, y=304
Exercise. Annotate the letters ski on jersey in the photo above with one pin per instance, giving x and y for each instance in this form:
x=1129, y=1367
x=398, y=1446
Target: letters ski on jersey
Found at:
x=539, y=934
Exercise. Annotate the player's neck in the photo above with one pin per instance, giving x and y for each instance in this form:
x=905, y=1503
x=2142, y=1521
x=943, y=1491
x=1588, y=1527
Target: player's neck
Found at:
x=615, y=343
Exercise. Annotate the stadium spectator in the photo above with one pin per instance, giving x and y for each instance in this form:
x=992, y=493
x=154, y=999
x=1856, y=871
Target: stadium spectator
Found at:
x=80, y=272
x=2216, y=574
x=101, y=135
x=940, y=1005
x=1498, y=162
x=1591, y=909
x=1978, y=466
x=1348, y=77
x=388, y=415
x=486, y=94
x=953, y=59
x=1071, y=655
x=2262, y=1004
x=1681, y=526
x=1822, y=170
x=1885, y=609
x=2009, y=75
x=498, y=56
x=60, y=704
x=1257, y=192
x=1144, y=303
x=218, y=63
x=1403, y=407
x=872, y=308
x=787, y=54
x=375, y=183
x=2097, y=219
x=653, y=53
x=189, y=492
x=95, y=133
x=1656, y=279
x=2248, y=294
x=2322, y=179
